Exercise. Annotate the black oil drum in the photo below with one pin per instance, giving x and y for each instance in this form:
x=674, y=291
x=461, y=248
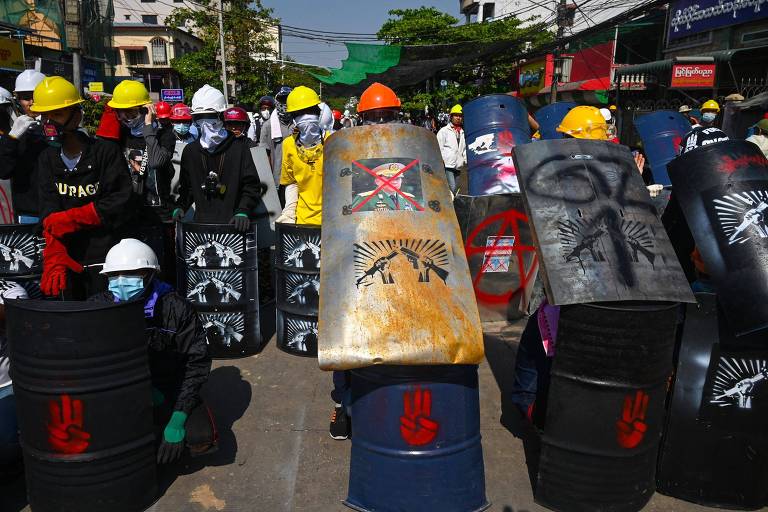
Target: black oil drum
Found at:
x=297, y=272
x=606, y=406
x=226, y=275
x=84, y=403
x=715, y=446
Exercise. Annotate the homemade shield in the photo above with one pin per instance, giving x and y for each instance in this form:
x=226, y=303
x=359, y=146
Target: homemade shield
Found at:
x=597, y=234
x=268, y=208
x=395, y=285
x=21, y=250
x=661, y=133
x=723, y=192
x=500, y=253
x=297, y=267
x=227, y=277
x=493, y=125
x=83, y=397
x=550, y=116
x=605, y=406
x=715, y=446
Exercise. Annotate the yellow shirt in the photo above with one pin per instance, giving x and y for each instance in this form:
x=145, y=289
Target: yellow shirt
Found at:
x=307, y=173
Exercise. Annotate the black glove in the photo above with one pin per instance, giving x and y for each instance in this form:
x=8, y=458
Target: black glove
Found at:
x=169, y=452
x=178, y=214
x=241, y=222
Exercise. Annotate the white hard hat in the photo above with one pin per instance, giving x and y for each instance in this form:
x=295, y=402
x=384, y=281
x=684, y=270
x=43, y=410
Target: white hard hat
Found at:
x=606, y=114
x=326, y=117
x=208, y=100
x=130, y=254
x=6, y=98
x=28, y=80
x=11, y=290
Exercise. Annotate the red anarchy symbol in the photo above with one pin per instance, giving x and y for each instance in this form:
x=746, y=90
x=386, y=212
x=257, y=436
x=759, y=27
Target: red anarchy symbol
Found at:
x=509, y=219
x=415, y=425
x=65, y=430
x=630, y=429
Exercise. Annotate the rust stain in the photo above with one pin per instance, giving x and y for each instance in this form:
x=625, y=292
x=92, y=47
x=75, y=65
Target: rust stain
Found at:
x=203, y=495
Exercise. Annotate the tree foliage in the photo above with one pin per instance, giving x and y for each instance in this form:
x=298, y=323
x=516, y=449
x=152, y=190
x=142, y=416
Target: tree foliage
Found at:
x=427, y=25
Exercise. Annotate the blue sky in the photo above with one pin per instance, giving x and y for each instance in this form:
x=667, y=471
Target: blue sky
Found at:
x=360, y=16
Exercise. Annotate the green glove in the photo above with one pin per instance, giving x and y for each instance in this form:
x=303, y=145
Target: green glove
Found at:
x=172, y=446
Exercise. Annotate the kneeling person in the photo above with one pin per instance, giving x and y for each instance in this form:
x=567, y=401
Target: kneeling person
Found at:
x=178, y=353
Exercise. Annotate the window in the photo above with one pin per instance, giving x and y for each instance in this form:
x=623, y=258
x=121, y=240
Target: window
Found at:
x=150, y=19
x=127, y=17
x=135, y=57
x=159, y=54
x=178, y=50
x=187, y=48
x=751, y=37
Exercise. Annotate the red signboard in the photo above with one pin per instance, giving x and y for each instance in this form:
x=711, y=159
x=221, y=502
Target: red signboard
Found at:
x=692, y=76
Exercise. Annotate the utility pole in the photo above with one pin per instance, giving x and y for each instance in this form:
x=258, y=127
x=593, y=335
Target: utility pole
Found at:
x=561, y=17
x=223, y=51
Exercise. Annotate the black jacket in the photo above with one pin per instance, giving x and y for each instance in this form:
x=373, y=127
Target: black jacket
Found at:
x=18, y=162
x=157, y=146
x=178, y=352
x=232, y=161
x=100, y=177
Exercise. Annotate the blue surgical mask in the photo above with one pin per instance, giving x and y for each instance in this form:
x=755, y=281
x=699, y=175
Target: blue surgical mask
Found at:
x=708, y=117
x=126, y=287
x=181, y=128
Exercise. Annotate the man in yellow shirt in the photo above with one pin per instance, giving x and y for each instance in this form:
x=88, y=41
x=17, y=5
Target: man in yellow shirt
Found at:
x=302, y=167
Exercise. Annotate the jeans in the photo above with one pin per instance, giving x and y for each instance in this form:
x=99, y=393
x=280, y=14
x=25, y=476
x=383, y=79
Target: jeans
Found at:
x=341, y=387
x=531, y=367
x=450, y=175
x=10, y=451
x=28, y=219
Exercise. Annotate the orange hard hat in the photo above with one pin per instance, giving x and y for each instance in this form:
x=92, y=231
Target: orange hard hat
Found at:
x=163, y=110
x=109, y=125
x=377, y=96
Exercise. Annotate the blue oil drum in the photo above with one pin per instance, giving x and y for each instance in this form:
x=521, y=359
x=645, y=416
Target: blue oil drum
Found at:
x=550, y=117
x=494, y=124
x=416, y=439
x=661, y=133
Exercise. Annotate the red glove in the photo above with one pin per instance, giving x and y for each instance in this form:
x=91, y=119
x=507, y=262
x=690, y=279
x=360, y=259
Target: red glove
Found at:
x=60, y=224
x=56, y=261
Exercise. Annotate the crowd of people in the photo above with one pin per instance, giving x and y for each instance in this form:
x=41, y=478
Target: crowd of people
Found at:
x=100, y=200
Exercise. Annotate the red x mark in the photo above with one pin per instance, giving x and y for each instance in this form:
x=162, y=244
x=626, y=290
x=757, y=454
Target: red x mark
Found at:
x=387, y=182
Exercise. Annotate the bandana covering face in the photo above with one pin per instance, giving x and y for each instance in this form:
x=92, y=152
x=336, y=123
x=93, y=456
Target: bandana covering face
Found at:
x=212, y=133
x=310, y=132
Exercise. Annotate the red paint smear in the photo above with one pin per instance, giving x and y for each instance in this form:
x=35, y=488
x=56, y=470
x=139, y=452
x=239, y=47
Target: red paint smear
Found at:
x=416, y=428
x=65, y=429
x=509, y=218
x=7, y=219
x=730, y=165
x=387, y=182
x=631, y=427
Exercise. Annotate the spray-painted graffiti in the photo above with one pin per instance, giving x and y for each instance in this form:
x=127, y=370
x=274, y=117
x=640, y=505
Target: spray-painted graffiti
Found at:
x=65, y=426
x=416, y=426
x=631, y=427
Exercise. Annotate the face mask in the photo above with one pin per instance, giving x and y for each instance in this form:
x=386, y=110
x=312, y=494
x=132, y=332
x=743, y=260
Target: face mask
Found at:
x=264, y=114
x=708, y=117
x=126, y=287
x=212, y=133
x=284, y=116
x=310, y=132
x=132, y=123
x=181, y=128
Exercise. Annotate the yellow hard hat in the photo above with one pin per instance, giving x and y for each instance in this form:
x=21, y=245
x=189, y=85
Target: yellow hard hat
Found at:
x=129, y=94
x=711, y=105
x=584, y=123
x=300, y=98
x=457, y=109
x=612, y=108
x=54, y=93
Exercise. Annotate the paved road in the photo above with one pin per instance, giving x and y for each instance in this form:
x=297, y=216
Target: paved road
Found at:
x=276, y=455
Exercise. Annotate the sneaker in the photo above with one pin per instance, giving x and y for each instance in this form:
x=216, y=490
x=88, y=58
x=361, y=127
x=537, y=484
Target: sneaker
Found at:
x=340, y=428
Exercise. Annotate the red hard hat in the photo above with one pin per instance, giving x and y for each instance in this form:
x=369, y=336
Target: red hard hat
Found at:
x=181, y=112
x=109, y=126
x=378, y=96
x=236, y=114
x=337, y=115
x=163, y=110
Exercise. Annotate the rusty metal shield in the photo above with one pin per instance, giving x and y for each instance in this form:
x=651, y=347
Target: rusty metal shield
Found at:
x=395, y=286
x=723, y=192
x=500, y=252
x=597, y=234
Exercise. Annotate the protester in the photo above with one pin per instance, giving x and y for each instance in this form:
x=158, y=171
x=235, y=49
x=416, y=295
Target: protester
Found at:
x=280, y=126
x=265, y=108
x=181, y=119
x=453, y=147
x=378, y=104
x=10, y=449
x=109, y=125
x=20, y=149
x=337, y=120
x=178, y=352
x=760, y=136
x=217, y=171
x=148, y=148
x=7, y=113
x=236, y=121
x=84, y=193
x=687, y=112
